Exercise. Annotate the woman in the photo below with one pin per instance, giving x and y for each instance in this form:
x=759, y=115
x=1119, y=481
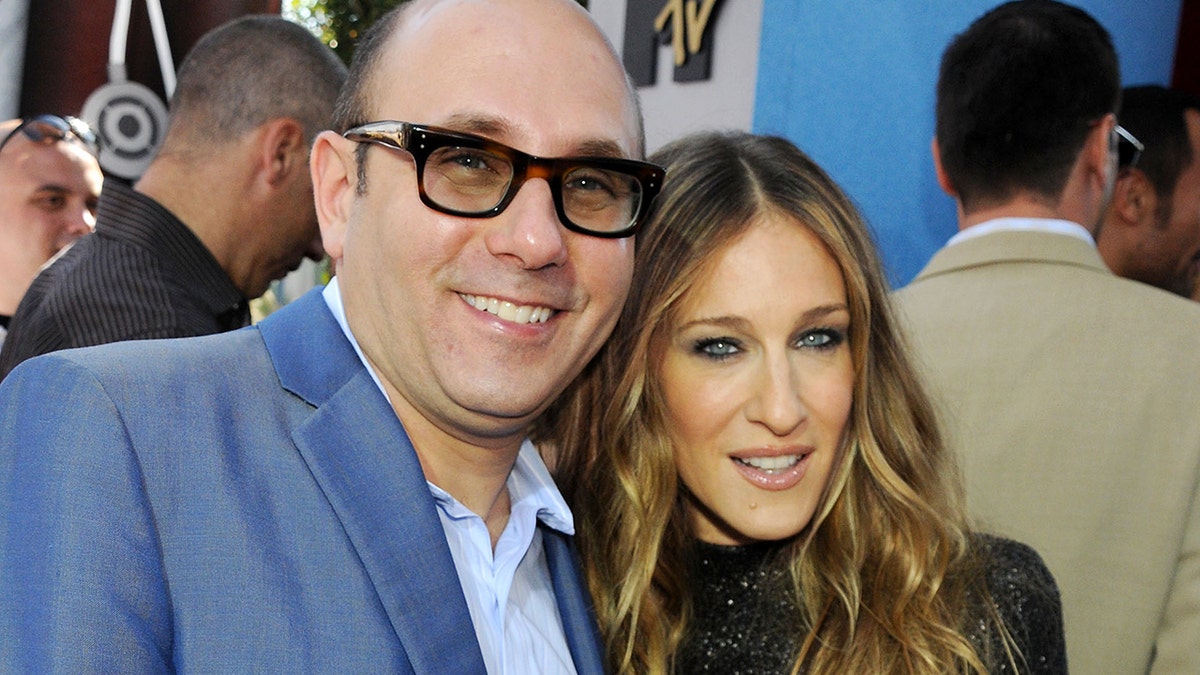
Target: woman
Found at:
x=758, y=475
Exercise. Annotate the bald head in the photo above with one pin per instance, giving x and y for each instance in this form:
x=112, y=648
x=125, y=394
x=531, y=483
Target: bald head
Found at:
x=404, y=30
x=49, y=186
x=7, y=127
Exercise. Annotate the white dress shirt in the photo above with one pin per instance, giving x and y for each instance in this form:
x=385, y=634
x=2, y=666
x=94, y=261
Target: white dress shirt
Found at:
x=1049, y=225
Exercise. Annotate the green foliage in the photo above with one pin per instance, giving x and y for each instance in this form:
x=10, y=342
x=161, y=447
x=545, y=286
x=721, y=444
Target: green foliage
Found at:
x=339, y=23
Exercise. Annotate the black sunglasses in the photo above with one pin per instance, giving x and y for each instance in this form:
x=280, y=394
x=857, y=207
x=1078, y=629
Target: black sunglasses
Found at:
x=47, y=129
x=474, y=177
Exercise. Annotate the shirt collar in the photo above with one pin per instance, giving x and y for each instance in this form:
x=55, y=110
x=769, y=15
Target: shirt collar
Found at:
x=531, y=491
x=333, y=299
x=138, y=220
x=531, y=487
x=1048, y=225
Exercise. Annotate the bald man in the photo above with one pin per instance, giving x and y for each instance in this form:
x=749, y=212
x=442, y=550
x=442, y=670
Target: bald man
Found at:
x=348, y=486
x=49, y=185
x=224, y=208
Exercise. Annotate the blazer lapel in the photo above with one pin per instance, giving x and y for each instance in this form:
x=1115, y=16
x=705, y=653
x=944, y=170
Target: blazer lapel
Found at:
x=574, y=603
x=362, y=459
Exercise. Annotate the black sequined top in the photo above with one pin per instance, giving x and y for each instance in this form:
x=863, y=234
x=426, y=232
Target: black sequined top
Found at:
x=741, y=608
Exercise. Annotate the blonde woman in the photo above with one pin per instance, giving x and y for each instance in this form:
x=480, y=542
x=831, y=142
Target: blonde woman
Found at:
x=757, y=474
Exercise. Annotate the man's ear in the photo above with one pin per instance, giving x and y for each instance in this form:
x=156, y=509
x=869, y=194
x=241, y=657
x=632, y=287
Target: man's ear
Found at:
x=283, y=150
x=1099, y=156
x=1134, y=200
x=942, y=179
x=335, y=179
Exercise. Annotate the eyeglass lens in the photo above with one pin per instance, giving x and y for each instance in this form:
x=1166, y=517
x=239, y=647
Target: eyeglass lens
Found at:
x=474, y=180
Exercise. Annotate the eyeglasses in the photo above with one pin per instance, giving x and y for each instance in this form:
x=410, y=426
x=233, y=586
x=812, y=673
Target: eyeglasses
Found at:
x=469, y=176
x=1129, y=148
x=48, y=129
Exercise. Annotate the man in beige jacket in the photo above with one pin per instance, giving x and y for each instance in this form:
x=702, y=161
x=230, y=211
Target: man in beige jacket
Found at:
x=1070, y=392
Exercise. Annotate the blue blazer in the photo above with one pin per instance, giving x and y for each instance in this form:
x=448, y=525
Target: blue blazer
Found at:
x=235, y=503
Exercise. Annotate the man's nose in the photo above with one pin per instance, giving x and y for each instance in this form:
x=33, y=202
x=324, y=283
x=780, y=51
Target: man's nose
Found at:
x=529, y=230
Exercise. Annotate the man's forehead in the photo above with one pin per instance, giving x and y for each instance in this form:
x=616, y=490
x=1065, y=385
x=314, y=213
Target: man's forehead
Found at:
x=19, y=143
x=506, y=130
x=60, y=163
x=548, y=135
x=419, y=12
x=504, y=31
x=509, y=81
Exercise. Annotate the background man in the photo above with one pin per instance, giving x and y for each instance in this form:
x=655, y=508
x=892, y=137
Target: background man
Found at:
x=1151, y=230
x=224, y=209
x=1070, y=392
x=346, y=487
x=49, y=184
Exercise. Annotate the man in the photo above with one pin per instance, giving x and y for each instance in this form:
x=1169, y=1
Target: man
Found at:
x=49, y=184
x=1069, y=391
x=346, y=487
x=1151, y=230
x=224, y=209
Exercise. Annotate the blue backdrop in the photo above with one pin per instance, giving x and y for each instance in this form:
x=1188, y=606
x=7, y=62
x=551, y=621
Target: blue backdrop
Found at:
x=852, y=83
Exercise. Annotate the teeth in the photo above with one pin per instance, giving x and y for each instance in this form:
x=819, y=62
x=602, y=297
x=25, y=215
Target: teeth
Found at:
x=770, y=464
x=507, y=310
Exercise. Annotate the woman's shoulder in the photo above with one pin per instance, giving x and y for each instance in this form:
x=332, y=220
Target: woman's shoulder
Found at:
x=1013, y=562
x=1020, y=583
x=1026, y=598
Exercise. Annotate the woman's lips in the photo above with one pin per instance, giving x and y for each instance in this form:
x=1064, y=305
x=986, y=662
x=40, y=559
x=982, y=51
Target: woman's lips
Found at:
x=774, y=471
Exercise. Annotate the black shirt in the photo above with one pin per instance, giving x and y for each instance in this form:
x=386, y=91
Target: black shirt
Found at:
x=142, y=274
x=743, y=611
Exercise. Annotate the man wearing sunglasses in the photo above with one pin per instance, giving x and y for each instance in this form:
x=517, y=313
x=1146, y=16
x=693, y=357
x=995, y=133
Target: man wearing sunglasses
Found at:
x=49, y=185
x=1069, y=391
x=347, y=486
x=1151, y=230
x=224, y=208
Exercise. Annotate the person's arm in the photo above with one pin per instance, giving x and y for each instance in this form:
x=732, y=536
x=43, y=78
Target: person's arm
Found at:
x=1175, y=646
x=81, y=579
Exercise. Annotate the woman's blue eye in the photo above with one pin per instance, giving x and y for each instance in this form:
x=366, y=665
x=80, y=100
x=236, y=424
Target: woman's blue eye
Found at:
x=823, y=338
x=716, y=348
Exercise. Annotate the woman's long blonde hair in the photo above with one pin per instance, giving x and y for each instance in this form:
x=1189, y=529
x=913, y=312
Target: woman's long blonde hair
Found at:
x=884, y=573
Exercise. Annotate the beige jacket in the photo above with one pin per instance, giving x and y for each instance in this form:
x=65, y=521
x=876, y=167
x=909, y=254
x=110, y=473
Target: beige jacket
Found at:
x=1074, y=398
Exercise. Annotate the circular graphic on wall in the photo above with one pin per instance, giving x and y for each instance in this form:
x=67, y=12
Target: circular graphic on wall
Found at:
x=131, y=121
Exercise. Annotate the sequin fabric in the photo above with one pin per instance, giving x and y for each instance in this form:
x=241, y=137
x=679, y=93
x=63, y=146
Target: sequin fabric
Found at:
x=742, y=627
x=741, y=605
